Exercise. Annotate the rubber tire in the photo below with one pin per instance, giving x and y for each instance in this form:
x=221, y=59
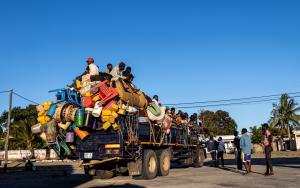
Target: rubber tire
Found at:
x=104, y=174
x=162, y=155
x=147, y=156
x=199, y=158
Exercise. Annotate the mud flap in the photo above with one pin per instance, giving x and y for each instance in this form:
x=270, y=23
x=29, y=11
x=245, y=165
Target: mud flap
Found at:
x=135, y=168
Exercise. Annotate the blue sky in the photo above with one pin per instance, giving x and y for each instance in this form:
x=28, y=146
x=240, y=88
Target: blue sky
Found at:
x=184, y=51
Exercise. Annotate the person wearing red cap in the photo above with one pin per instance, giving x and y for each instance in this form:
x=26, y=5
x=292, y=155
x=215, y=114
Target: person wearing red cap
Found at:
x=92, y=68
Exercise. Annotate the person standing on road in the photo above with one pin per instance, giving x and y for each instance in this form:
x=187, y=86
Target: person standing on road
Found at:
x=212, y=146
x=237, y=151
x=268, y=149
x=221, y=150
x=245, y=144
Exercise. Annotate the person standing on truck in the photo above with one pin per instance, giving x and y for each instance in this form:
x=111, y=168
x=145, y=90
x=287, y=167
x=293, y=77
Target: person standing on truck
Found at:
x=246, y=147
x=237, y=151
x=221, y=151
x=212, y=146
x=173, y=116
x=268, y=149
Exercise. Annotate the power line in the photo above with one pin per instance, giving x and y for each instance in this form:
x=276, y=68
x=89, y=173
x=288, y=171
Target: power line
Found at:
x=229, y=100
x=4, y=92
x=25, y=98
x=235, y=103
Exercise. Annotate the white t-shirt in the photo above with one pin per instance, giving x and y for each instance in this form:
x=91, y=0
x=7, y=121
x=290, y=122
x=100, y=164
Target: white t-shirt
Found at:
x=94, y=70
x=116, y=73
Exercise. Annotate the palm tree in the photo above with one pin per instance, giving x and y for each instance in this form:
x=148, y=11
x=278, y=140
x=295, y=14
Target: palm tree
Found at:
x=21, y=136
x=284, y=115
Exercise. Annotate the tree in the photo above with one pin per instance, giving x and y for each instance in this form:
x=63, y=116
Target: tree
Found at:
x=20, y=131
x=257, y=135
x=217, y=123
x=284, y=115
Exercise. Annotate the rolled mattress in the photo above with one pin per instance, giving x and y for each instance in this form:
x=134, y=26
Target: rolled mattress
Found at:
x=127, y=94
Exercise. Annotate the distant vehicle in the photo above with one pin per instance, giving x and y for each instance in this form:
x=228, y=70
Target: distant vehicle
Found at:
x=230, y=150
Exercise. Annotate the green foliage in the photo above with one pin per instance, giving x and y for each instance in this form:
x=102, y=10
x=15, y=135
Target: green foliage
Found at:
x=217, y=123
x=257, y=135
x=284, y=115
x=20, y=131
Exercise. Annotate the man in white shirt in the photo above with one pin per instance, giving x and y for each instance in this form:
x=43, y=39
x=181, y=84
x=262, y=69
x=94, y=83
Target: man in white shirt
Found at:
x=155, y=100
x=109, y=68
x=92, y=68
x=117, y=71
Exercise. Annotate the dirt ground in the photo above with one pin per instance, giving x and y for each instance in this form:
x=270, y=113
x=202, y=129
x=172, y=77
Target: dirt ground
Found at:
x=70, y=174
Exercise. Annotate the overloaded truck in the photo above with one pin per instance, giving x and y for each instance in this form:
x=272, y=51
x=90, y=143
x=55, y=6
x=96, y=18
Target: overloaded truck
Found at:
x=115, y=128
x=141, y=149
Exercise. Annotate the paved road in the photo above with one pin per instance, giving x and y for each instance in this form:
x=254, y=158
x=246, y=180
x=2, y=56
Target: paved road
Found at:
x=70, y=175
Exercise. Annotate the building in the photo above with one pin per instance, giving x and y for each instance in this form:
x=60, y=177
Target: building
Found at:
x=297, y=137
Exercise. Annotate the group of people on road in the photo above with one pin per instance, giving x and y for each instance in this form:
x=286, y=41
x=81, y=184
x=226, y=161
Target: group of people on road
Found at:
x=216, y=148
x=243, y=150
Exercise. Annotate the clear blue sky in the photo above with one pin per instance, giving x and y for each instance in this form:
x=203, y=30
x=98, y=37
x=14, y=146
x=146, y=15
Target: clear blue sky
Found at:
x=181, y=50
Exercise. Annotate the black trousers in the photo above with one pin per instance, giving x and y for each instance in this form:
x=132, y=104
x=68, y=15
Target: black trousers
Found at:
x=213, y=158
x=221, y=156
x=268, y=151
x=239, y=162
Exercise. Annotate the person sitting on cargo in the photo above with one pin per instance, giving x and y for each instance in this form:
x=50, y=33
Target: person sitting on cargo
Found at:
x=126, y=73
x=92, y=67
x=155, y=100
x=109, y=68
x=117, y=71
x=129, y=80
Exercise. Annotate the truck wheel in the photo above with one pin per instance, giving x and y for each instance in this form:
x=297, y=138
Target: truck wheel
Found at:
x=164, y=162
x=199, y=158
x=149, y=165
x=104, y=174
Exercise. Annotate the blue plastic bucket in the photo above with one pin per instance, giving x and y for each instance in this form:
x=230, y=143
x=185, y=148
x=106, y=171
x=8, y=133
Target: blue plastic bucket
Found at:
x=51, y=110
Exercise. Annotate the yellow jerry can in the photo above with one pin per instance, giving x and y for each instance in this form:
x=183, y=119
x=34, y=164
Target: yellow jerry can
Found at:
x=115, y=126
x=121, y=111
x=106, y=125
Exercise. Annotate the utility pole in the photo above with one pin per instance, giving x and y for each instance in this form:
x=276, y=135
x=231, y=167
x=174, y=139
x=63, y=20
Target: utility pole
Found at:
x=7, y=130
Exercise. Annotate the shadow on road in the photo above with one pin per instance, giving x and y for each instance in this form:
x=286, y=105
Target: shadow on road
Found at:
x=261, y=161
x=44, y=176
x=279, y=162
x=127, y=185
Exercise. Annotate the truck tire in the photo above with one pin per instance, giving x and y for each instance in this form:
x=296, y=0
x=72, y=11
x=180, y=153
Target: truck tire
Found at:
x=199, y=158
x=149, y=164
x=104, y=174
x=164, y=162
